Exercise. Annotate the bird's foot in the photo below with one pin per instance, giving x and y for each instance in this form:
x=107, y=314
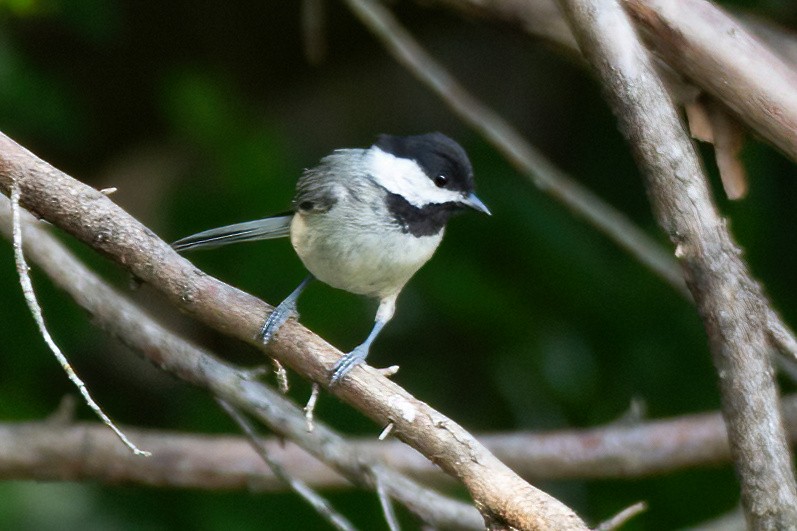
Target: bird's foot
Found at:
x=347, y=363
x=284, y=311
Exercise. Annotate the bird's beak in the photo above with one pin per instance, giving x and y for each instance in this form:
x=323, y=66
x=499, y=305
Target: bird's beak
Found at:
x=476, y=204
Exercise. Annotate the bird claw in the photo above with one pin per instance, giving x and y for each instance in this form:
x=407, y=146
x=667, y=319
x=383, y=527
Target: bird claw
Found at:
x=347, y=363
x=276, y=319
x=284, y=311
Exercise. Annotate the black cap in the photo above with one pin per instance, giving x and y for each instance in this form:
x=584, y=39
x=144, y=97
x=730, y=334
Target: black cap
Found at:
x=438, y=156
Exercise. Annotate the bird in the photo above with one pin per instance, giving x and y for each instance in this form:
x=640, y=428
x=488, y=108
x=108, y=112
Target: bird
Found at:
x=363, y=220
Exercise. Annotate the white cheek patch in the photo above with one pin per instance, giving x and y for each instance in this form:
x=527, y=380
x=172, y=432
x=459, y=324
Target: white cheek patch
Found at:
x=405, y=178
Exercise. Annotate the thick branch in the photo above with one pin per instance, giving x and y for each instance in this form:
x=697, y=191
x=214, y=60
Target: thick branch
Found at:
x=730, y=302
x=95, y=220
x=717, y=53
x=70, y=452
x=47, y=451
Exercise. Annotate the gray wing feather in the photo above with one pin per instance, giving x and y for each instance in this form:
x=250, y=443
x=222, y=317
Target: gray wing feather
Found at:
x=260, y=229
x=337, y=175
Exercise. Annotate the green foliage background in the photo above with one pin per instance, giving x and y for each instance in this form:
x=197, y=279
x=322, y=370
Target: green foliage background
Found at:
x=205, y=113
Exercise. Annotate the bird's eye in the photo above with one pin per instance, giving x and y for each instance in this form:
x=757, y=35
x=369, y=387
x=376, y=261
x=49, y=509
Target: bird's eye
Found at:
x=440, y=181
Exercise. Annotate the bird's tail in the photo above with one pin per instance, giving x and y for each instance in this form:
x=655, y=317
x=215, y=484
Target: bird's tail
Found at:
x=260, y=229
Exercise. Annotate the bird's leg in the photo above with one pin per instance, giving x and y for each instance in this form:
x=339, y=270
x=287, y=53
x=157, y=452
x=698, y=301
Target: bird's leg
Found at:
x=355, y=357
x=282, y=312
x=385, y=312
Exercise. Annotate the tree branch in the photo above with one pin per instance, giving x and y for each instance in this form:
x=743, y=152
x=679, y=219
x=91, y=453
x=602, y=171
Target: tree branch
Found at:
x=94, y=219
x=731, y=304
x=716, y=53
x=73, y=452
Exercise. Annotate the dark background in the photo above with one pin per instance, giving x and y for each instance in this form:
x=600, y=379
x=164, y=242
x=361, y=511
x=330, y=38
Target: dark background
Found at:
x=205, y=113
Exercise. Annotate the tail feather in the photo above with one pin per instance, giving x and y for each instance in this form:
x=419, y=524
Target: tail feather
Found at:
x=260, y=229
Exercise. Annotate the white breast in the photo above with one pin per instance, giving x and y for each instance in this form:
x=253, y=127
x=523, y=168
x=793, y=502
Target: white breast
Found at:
x=364, y=258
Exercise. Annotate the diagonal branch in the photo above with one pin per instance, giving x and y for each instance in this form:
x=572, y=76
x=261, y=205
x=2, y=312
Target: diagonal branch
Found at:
x=731, y=303
x=94, y=219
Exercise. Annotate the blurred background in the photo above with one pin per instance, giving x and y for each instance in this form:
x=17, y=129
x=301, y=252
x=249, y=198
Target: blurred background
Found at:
x=205, y=113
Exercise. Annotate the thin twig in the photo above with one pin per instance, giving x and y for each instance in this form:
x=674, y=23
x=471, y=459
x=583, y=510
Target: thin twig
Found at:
x=507, y=140
x=309, y=409
x=622, y=517
x=386, y=431
x=282, y=376
x=316, y=501
x=781, y=335
x=387, y=505
x=387, y=372
x=734, y=310
x=35, y=310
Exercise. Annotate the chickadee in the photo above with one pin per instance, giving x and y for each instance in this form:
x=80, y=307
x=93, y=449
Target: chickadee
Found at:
x=364, y=220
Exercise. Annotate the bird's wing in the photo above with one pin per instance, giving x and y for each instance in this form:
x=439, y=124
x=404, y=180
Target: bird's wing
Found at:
x=260, y=229
x=338, y=175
